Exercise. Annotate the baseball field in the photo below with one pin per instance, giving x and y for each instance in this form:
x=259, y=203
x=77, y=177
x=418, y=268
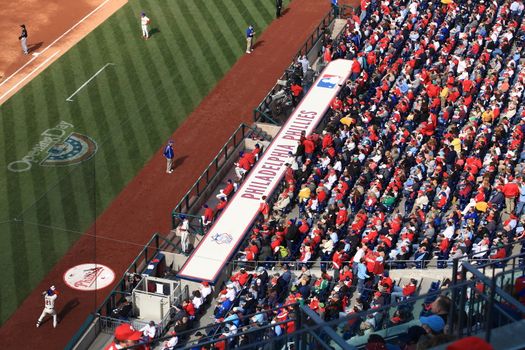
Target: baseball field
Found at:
x=80, y=131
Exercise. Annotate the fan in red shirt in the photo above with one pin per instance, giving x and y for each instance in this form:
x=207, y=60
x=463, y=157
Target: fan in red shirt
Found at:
x=220, y=206
x=242, y=277
x=242, y=166
x=511, y=190
x=342, y=216
x=226, y=191
x=207, y=217
x=125, y=336
x=309, y=147
x=500, y=253
x=264, y=208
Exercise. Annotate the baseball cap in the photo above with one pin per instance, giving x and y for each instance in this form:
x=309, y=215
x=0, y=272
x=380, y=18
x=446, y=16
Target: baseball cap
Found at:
x=470, y=343
x=434, y=322
x=126, y=332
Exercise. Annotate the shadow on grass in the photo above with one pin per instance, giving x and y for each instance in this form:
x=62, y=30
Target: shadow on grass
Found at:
x=153, y=31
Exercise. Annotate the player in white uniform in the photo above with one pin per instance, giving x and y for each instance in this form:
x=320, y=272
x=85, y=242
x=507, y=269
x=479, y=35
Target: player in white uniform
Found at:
x=144, y=22
x=184, y=232
x=50, y=296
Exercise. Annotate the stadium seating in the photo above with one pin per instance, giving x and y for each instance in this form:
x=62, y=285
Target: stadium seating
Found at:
x=420, y=160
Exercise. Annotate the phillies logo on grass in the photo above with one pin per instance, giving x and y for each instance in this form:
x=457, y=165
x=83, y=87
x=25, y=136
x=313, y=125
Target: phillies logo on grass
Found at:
x=329, y=81
x=58, y=146
x=89, y=277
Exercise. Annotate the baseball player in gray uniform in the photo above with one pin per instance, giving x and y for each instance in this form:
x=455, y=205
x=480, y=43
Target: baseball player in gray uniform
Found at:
x=23, y=39
x=50, y=296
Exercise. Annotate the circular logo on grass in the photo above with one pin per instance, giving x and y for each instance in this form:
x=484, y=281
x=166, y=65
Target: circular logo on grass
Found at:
x=58, y=146
x=89, y=277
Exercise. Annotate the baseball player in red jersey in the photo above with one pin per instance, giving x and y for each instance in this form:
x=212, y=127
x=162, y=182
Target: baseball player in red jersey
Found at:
x=125, y=335
x=50, y=296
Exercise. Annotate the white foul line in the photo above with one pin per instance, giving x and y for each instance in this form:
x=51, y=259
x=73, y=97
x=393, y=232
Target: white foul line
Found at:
x=57, y=39
x=28, y=75
x=92, y=77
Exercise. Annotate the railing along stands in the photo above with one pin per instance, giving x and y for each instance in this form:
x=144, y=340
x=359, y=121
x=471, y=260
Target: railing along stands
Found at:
x=188, y=201
x=124, y=287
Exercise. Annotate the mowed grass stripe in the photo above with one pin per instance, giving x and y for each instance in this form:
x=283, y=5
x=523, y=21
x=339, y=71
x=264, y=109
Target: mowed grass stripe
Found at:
x=77, y=118
x=130, y=127
x=14, y=200
x=161, y=87
x=88, y=115
x=241, y=22
x=113, y=118
x=175, y=93
x=107, y=125
x=223, y=42
x=196, y=51
x=208, y=48
x=193, y=81
x=40, y=211
x=186, y=79
x=148, y=97
x=180, y=73
x=108, y=151
x=132, y=77
x=121, y=106
x=232, y=32
x=266, y=9
x=259, y=12
x=8, y=294
x=245, y=14
x=157, y=72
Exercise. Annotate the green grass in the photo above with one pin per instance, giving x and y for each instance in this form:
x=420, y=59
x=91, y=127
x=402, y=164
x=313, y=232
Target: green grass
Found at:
x=130, y=109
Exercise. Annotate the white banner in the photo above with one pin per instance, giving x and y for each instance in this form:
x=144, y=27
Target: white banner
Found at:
x=223, y=238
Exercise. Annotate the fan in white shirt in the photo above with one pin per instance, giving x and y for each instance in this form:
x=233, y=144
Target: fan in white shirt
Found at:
x=172, y=342
x=149, y=330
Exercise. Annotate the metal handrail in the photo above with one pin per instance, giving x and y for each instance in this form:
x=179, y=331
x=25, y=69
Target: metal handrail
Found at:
x=119, y=288
x=259, y=111
x=225, y=153
x=317, y=263
x=304, y=50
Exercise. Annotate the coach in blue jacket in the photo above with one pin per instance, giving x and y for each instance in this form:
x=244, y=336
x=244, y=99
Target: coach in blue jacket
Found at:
x=169, y=154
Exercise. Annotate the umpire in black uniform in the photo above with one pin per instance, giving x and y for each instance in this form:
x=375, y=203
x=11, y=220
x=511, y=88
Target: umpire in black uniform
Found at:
x=278, y=7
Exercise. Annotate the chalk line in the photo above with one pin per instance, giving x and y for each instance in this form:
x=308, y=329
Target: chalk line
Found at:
x=29, y=74
x=92, y=77
x=54, y=42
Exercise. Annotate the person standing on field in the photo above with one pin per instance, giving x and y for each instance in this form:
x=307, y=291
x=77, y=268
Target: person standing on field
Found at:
x=169, y=155
x=144, y=22
x=278, y=8
x=250, y=33
x=50, y=296
x=23, y=39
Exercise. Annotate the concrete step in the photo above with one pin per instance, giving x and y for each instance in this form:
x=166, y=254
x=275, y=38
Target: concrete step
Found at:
x=269, y=129
x=339, y=25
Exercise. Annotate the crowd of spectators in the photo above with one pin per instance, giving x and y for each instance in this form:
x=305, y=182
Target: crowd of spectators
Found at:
x=420, y=158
